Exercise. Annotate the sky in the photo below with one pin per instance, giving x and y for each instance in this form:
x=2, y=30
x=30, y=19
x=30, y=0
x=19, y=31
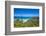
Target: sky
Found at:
x=26, y=12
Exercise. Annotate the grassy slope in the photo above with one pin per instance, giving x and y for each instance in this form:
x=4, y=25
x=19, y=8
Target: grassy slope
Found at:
x=29, y=23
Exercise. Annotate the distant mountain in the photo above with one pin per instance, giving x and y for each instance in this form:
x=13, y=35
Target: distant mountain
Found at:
x=22, y=17
x=35, y=17
x=26, y=17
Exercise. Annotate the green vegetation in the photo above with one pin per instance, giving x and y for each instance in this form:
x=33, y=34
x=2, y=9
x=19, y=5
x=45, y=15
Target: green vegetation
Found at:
x=34, y=22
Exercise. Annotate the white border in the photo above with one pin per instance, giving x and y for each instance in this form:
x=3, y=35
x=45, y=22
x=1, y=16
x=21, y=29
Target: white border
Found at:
x=26, y=28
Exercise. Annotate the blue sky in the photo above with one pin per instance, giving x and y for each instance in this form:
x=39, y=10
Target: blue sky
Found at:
x=26, y=12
